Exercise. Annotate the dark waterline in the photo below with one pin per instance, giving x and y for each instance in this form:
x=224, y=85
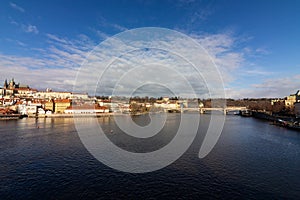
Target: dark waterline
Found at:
x=45, y=159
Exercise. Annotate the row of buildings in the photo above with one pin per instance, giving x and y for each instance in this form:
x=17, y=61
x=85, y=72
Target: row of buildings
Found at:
x=25, y=100
x=294, y=99
x=12, y=89
x=28, y=101
x=291, y=102
x=22, y=99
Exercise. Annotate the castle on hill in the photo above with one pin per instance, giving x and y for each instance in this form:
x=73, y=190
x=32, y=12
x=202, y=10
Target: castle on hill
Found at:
x=12, y=88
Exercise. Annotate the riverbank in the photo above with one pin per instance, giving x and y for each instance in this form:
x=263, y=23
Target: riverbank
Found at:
x=73, y=115
x=283, y=121
x=64, y=115
x=84, y=115
x=10, y=116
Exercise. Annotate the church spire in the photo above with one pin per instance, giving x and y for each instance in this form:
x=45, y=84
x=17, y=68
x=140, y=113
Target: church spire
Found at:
x=5, y=84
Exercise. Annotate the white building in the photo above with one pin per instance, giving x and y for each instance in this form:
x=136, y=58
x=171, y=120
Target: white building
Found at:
x=60, y=95
x=79, y=96
x=30, y=109
x=53, y=95
x=25, y=92
x=167, y=105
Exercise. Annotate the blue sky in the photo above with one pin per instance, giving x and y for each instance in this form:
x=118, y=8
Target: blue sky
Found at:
x=43, y=43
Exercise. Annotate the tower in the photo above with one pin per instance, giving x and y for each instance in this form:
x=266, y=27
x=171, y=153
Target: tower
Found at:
x=5, y=84
x=12, y=84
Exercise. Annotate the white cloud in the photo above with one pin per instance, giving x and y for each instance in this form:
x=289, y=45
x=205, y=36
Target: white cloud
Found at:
x=269, y=88
x=262, y=51
x=19, y=43
x=105, y=23
x=30, y=29
x=101, y=34
x=256, y=72
x=198, y=12
x=219, y=46
x=57, y=65
x=35, y=73
x=27, y=28
x=56, y=38
x=256, y=52
x=16, y=7
x=119, y=27
x=13, y=22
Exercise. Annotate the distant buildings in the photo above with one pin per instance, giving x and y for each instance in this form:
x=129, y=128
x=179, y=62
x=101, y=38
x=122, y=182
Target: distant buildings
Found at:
x=28, y=101
x=15, y=89
x=49, y=94
x=167, y=104
x=60, y=105
x=86, y=109
x=292, y=99
x=292, y=103
x=289, y=104
x=22, y=99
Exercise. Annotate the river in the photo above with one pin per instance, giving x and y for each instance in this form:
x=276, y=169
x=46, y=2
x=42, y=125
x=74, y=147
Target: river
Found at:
x=45, y=159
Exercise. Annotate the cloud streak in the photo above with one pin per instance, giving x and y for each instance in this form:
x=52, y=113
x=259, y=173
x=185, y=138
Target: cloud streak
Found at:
x=56, y=66
x=105, y=23
x=16, y=7
x=164, y=51
x=268, y=88
x=26, y=28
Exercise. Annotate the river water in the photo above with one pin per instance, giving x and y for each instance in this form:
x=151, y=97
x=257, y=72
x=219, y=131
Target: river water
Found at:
x=45, y=159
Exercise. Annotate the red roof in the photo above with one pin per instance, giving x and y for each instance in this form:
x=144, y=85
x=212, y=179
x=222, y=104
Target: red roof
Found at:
x=105, y=100
x=62, y=100
x=87, y=107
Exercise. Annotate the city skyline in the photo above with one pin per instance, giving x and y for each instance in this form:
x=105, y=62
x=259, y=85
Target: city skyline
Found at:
x=254, y=44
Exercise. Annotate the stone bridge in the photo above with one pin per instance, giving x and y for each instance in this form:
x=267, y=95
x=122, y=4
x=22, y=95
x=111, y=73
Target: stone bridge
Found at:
x=203, y=110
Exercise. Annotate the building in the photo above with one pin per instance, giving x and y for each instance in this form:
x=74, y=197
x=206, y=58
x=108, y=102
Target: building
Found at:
x=30, y=107
x=15, y=89
x=292, y=99
x=277, y=101
x=57, y=105
x=83, y=96
x=7, y=101
x=48, y=94
x=8, y=88
x=25, y=92
x=86, y=109
x=49, y=105
x=60, y=105
x=1, y=92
